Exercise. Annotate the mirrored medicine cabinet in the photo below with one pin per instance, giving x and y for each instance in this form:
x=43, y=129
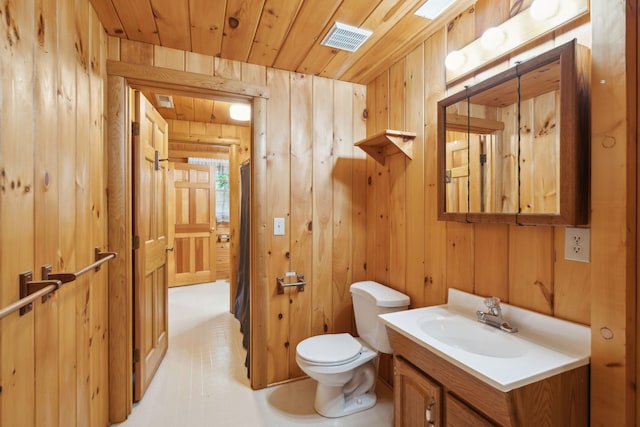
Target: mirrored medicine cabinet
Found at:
x=515, y=147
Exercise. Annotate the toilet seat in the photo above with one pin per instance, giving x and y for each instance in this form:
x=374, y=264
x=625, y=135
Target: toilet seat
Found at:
x=329, y=349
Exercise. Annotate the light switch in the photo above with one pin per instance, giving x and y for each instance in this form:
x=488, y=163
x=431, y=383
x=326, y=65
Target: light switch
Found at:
x=278, y=226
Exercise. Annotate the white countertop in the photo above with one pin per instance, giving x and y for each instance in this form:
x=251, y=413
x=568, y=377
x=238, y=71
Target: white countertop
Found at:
x=543, y=346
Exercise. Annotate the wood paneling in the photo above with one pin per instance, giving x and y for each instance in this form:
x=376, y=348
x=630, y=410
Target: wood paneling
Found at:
x=299, y=166
x=613, y=216
x=284, y=35
x=301, y=208
x=53, y=360
x=526, y=265
x=321, y=313
x=278, y=206
x=53, y=71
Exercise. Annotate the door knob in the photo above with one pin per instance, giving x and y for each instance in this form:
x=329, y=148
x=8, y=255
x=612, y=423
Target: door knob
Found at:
x=169, y=249
x=212, y=229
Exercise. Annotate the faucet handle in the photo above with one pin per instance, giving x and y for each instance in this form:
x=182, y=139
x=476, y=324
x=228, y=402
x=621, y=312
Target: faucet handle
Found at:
x=492, y=302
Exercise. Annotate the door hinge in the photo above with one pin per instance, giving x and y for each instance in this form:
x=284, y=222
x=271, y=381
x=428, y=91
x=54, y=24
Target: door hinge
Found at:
x=136, y=355
x=135, y=128
x=136, y=243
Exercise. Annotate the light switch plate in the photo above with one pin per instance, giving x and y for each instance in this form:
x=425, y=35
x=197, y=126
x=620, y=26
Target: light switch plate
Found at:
x=577, y=244
x=278, y=226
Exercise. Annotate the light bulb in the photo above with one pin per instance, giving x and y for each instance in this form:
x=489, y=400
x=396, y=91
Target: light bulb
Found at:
x=543, y=9
x=492, y=38
x=454, y=60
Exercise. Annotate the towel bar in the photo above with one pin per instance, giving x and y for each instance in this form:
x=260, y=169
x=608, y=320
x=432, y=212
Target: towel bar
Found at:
x=299, y=283
x=31, y=290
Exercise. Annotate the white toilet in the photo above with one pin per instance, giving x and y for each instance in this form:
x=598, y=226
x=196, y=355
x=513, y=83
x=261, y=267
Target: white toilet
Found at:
x=343, y=365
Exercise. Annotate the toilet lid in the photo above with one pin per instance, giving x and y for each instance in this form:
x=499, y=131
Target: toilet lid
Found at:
x=329, y=349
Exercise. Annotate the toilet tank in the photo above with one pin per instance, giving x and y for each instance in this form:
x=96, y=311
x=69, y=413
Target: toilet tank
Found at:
x=369, y=300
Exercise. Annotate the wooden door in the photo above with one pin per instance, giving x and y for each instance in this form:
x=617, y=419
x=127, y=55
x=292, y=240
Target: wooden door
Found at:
x=417, y=399
x=195, y=224
x=457, y=414
x=150, y=226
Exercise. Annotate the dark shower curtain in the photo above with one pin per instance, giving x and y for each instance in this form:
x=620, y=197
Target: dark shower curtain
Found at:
x=241, y=302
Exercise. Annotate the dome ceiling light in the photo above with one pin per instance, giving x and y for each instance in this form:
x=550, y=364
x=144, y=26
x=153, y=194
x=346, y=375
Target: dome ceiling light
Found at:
x=240, y=112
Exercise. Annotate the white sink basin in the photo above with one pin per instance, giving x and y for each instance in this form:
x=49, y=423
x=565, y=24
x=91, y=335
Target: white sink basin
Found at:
x=543, y=346
x=463, y=333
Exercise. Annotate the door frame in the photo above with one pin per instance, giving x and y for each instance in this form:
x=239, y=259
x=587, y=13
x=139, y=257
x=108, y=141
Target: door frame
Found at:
x=120, y=77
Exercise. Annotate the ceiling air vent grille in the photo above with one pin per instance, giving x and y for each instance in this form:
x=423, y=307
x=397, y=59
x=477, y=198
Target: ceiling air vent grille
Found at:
x=164, y=101
x=345, y=37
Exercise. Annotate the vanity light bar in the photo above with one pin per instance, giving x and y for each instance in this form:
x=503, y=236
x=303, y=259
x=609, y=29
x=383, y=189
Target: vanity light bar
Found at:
x=517, y=31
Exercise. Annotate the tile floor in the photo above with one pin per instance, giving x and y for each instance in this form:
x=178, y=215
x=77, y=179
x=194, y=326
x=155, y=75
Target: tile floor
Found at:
x=202, y=380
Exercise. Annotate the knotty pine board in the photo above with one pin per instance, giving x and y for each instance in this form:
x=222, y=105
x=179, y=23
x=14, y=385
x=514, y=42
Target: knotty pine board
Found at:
x=301, y=222
x=415, y=188
x=46, y=316
x=278, y=205
x=342, y=206
x=397, y=182
x=321, y=310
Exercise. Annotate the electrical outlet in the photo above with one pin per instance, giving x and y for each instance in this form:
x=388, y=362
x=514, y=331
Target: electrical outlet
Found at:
x=577, y=242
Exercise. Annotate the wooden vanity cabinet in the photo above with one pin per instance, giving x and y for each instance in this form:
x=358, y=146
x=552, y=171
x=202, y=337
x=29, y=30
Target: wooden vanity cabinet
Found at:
x=428, y=385
x=417, y=399
x=457, y=414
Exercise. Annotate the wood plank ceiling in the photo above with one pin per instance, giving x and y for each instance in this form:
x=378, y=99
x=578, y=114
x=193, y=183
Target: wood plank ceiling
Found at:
x=192, y=109
x=284, y=34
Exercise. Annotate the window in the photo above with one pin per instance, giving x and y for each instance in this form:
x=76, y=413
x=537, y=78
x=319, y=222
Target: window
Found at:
x=221, y=176
x=221, y=171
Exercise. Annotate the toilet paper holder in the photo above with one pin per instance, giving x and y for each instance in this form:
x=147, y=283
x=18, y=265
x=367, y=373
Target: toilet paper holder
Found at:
x=283, y=283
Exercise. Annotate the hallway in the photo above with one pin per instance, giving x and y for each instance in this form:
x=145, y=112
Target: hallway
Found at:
x=202, y=380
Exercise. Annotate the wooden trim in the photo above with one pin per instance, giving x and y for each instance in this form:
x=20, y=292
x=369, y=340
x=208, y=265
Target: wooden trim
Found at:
x=183, y=80
x=177, y=155
x=633, y=65
x=205, y=139
x=120, y=232
x=234, y=223
x=259, y=279
x=473, y=124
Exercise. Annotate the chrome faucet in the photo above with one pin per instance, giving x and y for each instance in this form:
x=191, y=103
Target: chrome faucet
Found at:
x=493, y=316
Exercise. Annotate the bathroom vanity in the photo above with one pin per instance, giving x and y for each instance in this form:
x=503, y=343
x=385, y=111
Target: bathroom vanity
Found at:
x=451, y=370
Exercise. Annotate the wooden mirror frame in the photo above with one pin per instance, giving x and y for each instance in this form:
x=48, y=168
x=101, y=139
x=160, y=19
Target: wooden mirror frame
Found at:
x=574, y=62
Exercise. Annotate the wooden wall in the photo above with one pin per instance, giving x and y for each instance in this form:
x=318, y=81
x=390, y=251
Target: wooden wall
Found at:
x=413, y=252
x=184, y=134
x=314, y=178
x=347, y=217
x=53, y=360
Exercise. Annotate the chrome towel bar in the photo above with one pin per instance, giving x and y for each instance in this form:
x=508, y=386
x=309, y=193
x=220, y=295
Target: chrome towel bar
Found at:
x=299, y=283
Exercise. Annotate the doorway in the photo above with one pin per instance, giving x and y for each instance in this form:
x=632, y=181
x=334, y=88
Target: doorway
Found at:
x=121, y=351
x=206, y=144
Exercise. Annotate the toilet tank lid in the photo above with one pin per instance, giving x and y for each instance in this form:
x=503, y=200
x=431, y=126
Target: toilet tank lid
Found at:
x=383, y=295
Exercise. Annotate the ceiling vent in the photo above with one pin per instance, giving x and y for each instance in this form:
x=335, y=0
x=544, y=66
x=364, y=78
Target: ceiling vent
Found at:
x=345, y=37
x=164, y=101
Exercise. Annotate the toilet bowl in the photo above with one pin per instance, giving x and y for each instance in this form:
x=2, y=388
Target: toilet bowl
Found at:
x=344, y=366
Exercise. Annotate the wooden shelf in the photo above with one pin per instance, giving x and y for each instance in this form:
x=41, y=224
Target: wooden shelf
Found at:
x=473, y=124
x=387, y=143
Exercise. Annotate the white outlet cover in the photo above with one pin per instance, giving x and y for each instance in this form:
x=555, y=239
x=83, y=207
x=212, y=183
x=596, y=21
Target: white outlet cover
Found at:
x=278, y=226
x=577, y=244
